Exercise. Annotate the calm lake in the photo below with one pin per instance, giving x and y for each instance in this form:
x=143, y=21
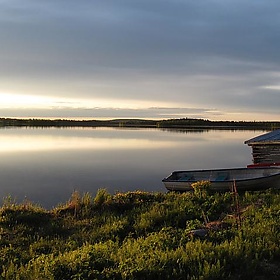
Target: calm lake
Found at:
x=45, y=165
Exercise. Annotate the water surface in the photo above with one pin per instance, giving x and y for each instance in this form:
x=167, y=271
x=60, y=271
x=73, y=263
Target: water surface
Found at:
x=46, y=165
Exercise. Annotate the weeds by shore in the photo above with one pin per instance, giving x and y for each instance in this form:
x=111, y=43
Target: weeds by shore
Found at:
x=141, y=235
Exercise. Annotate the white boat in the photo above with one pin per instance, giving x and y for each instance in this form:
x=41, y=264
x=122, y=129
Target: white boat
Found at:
x=223, y=179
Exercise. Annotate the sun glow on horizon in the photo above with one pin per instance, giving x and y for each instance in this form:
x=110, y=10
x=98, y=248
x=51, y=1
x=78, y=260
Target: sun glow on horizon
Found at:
x=25, y=101
x=52, y=107
x=11, y=100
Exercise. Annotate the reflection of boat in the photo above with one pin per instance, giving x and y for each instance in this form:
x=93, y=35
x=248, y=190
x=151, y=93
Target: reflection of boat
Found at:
x=223, y=179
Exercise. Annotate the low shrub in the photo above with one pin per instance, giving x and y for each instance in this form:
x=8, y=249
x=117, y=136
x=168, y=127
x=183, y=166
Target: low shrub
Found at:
x=140, y=235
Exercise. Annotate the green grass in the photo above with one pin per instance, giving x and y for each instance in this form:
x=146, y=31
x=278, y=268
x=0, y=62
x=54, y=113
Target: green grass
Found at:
x=141, y=235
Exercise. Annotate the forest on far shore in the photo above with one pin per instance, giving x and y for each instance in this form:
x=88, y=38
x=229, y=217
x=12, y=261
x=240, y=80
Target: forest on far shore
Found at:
x=168, y=123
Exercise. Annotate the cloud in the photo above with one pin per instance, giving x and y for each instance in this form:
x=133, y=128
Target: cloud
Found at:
x=110, y=112
x=143, y=34
x=217, y=54
x=145, y=113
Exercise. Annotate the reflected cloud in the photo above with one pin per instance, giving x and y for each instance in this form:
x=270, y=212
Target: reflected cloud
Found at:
x=34, y=143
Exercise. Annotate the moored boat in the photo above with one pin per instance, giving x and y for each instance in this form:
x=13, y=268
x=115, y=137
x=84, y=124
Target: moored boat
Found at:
x=223, y=179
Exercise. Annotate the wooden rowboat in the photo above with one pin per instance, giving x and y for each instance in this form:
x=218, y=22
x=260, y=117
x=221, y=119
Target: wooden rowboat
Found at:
x=246, y=179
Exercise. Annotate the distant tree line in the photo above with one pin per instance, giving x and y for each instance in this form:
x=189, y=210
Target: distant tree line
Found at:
x=189, y=122
x=169, y=123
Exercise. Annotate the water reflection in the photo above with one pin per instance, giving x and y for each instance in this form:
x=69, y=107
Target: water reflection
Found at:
x=31, y=143
x=46, y=165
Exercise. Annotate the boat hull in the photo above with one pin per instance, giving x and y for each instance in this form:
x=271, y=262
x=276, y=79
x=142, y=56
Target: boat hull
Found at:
x=245, y=179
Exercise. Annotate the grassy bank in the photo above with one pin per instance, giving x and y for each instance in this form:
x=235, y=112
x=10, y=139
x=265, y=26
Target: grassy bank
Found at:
x=140, y=235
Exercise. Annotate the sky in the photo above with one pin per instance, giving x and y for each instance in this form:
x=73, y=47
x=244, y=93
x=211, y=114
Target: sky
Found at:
x=151, y=59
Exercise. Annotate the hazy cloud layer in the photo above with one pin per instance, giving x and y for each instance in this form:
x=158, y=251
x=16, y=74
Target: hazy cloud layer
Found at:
x=219, y=55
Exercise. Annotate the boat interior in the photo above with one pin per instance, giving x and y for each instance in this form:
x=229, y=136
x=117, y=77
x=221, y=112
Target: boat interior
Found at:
x=223, y=175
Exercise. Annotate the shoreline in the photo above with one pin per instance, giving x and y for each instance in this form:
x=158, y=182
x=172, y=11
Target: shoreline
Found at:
x=184, y=123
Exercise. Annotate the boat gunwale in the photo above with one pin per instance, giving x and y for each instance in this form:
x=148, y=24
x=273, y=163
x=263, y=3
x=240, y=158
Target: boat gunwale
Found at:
x=166, y=179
